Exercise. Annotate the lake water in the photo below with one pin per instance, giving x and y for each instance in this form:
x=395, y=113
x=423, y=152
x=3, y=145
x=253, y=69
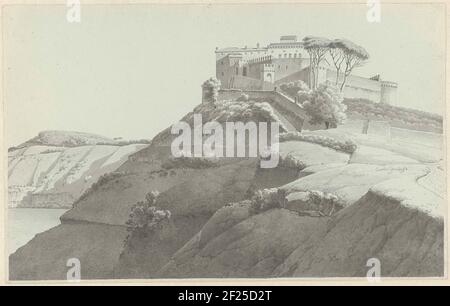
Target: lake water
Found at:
x=25, y=223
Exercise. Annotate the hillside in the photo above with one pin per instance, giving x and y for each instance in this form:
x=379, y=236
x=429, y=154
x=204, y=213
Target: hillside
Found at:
x=337, y=198
x=400, y=117
x=53, y=169
x=66, y=139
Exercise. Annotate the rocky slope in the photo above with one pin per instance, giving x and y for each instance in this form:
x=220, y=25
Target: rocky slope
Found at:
x=404, y=233
x=53, y=169
x=337, y=199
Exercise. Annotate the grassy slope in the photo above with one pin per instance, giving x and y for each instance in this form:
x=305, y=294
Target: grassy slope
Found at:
x=401, y=117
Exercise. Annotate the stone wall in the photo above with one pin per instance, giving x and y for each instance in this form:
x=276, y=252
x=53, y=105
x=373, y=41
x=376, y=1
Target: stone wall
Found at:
x=286, y=106
x=246, y=83
x=357, y=87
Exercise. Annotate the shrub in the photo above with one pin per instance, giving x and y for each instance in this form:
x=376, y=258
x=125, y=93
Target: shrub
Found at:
x=211, y=88
x=346, y=146
x=266, y=199
x=146, y=216
x=324, y=105
x=235, y=111
x=293, y=89
x=190, y=162
x=303, y=95
x=317, y=203
x=243, y=98
x=291, y=162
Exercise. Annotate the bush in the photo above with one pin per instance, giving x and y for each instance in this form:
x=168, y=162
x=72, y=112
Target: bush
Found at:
x=291, y=162
x=347, y=146
x=146, y=216
x=324, y=105
x=266, y=199
x=317, y=203
x=211, y=88
x=243, y=98
x=235, y=111
x=293, y=89
x=190, y=162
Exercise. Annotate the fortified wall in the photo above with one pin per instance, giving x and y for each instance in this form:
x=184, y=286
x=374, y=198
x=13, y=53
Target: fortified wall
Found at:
x=356, y=86
x=264, y=68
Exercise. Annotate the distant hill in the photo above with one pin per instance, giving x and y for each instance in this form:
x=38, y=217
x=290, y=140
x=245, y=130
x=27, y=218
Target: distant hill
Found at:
x=74, y=139
x=54, y=168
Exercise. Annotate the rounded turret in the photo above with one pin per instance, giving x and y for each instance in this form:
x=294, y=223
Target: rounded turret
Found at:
x=388, y=92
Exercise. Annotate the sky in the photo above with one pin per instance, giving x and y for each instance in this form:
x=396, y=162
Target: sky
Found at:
x=132, y=70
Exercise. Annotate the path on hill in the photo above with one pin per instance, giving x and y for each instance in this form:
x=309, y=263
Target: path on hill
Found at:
x=284, y=121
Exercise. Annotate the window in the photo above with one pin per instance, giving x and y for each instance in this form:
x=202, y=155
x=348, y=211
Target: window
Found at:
x=244, y=71
x=286, y=67
x=295, y=55
x=285, y=55
x=237, y=70
x=290, y=55
x=222, y=73
x=279, y=55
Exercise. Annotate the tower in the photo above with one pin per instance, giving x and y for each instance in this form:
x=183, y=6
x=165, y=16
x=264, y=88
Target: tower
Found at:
x=388, y=92
x=268, y=73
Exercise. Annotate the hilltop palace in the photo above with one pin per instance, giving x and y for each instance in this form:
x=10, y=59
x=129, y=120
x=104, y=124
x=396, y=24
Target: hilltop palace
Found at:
x=263, y=68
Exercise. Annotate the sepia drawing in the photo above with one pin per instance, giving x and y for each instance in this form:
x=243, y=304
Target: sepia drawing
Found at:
x=225, y=141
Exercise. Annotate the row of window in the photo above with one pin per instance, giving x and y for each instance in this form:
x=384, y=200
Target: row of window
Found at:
x=244, y=70
x=286, y=55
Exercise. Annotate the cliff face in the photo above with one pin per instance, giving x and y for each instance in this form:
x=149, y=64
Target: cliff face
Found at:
x=44, y=173
x=325, y=210
x=282, y=243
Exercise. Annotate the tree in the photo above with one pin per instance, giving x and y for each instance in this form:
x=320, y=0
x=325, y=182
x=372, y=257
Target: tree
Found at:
x=304, y=93
x=293, y=89
x=324, y=105
x=337, y=57
x=352, y=54
x=144, y=215
x=211, y=89
x=317, y=48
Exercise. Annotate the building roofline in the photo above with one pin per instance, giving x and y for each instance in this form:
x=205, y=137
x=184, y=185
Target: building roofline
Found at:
x=285, y=44
x=239, y=50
